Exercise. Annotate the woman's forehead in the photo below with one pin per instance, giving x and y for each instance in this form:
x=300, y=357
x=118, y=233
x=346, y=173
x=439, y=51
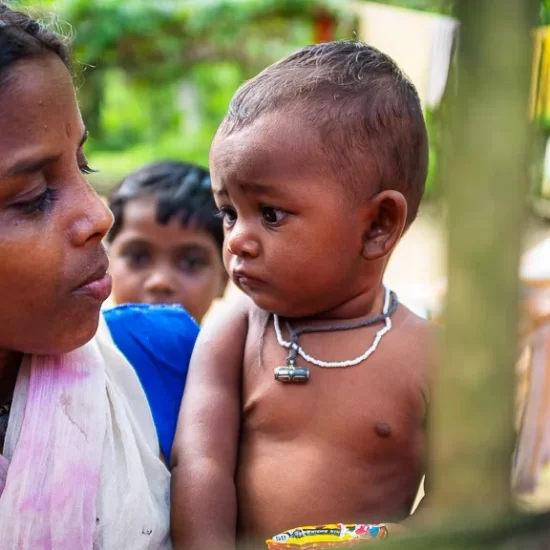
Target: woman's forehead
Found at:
x=38, y=110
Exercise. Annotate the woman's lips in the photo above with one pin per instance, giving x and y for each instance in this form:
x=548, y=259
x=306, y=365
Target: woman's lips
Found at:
x=98, y=289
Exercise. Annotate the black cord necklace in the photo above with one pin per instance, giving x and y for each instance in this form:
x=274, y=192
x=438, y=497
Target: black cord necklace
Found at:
x=291, y=373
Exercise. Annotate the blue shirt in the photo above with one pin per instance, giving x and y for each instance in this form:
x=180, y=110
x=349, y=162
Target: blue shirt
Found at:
x=158, y=341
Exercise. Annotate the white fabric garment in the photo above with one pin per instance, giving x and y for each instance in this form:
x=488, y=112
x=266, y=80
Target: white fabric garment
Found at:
x=533, y=445
x=444, y=33
x=91, y=478
x=420, y=43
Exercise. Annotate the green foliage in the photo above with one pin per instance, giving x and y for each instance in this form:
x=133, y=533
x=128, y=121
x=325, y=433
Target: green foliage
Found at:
x=134, y=58
x=435, y=6
x=143, y=52
x=228, y=13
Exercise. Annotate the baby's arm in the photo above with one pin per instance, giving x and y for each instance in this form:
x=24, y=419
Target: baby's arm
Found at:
x=424, y=348
x=204, y=501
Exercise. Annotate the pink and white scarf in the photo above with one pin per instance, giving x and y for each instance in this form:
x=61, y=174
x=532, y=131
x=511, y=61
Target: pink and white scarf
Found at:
x=81, y=467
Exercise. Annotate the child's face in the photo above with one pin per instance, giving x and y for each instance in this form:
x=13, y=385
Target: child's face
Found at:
x=164, y=264
x=293, y=241
x=51, y=221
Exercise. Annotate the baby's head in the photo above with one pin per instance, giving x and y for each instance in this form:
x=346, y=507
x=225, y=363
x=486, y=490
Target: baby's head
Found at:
x=318, y=168
x=166, y=241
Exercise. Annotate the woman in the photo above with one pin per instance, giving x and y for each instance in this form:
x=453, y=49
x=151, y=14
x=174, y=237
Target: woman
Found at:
x=79, y=462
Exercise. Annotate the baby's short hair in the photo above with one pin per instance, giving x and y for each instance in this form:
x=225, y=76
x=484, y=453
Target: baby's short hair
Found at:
x=367, y=112
x=180, y=189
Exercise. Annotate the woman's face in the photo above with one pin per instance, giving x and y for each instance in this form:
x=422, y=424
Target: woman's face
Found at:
x=52, y=263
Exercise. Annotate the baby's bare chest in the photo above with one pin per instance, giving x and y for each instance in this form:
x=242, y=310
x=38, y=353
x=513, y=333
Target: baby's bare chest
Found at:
x=380, y=401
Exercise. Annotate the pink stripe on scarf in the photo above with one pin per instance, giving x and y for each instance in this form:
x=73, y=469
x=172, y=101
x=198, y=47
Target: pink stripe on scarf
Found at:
x=48, y=501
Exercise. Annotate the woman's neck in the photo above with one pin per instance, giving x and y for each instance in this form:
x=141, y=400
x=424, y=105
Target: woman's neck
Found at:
x=10, y=362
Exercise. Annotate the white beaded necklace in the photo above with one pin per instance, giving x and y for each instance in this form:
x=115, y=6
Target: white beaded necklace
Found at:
x=338, y=364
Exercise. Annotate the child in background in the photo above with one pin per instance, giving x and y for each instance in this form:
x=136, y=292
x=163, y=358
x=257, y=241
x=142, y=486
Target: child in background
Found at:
x=165, y=248
x=166, y=242
x=318, y=169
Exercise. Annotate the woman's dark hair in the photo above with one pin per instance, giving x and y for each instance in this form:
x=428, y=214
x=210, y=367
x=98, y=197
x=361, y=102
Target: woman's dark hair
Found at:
x=179, y=189
x=22, y=37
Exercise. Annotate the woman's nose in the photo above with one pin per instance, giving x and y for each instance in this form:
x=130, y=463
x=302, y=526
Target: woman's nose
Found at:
x=93, y=221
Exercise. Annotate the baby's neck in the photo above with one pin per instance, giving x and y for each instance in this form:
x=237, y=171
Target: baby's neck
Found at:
x=365, y=304
x=9, y=368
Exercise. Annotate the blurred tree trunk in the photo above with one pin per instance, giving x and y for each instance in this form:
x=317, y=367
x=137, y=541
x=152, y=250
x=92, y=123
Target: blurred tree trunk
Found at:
x=91, y=85
x=471, y=425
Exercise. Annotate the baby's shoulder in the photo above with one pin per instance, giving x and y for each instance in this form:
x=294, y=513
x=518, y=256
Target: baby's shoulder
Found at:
x=414, y=345
x=416, y=330
x=232, y=322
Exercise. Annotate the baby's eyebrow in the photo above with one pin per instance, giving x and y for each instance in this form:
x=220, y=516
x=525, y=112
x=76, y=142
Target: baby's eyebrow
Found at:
x=252, y=188
x=219, y=191
x=260, y=189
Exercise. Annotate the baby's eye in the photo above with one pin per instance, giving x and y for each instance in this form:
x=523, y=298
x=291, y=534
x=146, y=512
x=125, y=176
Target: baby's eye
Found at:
x=228, y=215
x=272, y=215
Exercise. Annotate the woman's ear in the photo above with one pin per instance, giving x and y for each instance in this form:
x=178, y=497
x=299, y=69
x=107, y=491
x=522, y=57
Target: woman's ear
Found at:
x=387, y=216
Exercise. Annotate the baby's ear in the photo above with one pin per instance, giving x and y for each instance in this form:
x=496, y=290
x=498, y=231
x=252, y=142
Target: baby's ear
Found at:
x=387, y=216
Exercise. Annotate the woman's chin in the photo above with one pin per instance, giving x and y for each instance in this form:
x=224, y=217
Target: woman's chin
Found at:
x=72, y=338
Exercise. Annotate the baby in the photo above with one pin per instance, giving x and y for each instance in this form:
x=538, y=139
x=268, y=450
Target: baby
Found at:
x=307, y=397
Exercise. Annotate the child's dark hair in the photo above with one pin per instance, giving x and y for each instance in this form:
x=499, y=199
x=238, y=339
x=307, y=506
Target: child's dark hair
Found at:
x=180, y=189
x=367, y=113
x=22, y=37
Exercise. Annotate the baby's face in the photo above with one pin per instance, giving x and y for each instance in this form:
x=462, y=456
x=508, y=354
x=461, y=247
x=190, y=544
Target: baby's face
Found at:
x=293, y=241
x=164, y=264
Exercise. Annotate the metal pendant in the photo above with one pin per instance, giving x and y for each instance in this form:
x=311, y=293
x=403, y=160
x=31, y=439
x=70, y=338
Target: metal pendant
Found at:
x=291, y=374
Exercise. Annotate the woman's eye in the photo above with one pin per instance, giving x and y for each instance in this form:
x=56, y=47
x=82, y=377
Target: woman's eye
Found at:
x=272, y=215
x=39, y=204
x=85, y=169
x=228, y=215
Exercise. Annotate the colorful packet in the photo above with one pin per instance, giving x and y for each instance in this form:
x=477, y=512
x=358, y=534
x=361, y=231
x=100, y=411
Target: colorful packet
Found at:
x=327, y=536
